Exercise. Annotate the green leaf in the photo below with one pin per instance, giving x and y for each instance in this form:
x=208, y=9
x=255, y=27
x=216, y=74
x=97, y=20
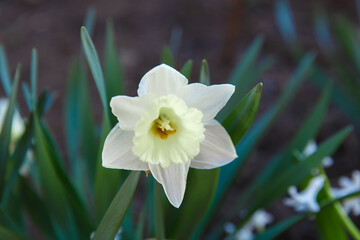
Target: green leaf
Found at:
x=34, y=206
x=251, y=139
x=298, y=172
x=187, y=68
x=247, y=61
x=4, y=72
x=285, y=21
x=240, y=119
x=167, y=57
x=159, y=215
x=95, y=67
x=284, y=159
x=197, y=199
x=10, y=235
x=5, y=133
x=280, y=227
x=204, y=73
x=90, y=19
x=27, y=95
x=113, y=69
x=245, y=75
x=33, y=75
x=82, y=143
x=115, y=214
x=106, y=180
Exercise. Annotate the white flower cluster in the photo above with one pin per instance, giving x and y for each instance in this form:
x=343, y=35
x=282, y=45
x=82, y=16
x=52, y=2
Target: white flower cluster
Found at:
x=306, y=201
x=257, y=223
x=349, y=186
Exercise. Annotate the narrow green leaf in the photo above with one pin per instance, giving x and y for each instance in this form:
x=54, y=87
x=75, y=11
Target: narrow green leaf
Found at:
x=95, y=67
x=197, y=199
x=34, y=206
x=281, y=227
x=204, y=73
x=90, y=20
x=167, y=57
x=5, y=133
x=115, y=214
x=251, y=139
x=27, y=95
x=240, y=119
x=187, y=68
x=33, y=75
x=285, y=21
x=106, y=180
x=159, y=215
x=297, y=173
x=4, y=72
x=113, y=69
x=247, y=61
x=10, y=235
x=140, y=225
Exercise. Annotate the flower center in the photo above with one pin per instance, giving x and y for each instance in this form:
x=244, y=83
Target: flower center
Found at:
x=163, y=127
x=169, y=132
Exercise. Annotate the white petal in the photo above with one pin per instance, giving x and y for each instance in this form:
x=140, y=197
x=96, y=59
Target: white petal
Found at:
x=208, y=99
x=217, y=148
x=128, y=110
x=117, y=151
x=173, y=180
x=161, y=80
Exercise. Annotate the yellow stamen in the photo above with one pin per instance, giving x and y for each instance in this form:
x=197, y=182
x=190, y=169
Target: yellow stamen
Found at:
x=163, y=127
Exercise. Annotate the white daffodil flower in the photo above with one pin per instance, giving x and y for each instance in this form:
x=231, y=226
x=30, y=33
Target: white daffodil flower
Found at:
x=168, y=128
x=349, y=186
x=17, y=128
x=311, y=148
x=306, y=201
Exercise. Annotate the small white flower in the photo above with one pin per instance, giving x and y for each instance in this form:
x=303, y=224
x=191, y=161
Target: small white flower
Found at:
x=257, y=222
x=260, y=219
x=311, y=148
x=17, y=128
x=305, y=201
x=245, y=233
x=168, y=128
x=349, y=186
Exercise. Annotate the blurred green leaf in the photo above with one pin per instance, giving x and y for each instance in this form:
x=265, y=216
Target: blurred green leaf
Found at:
x=167, y=57
x=34, y=207
x=27, y=95
x=4, y=72
x=204, y=73
x=33, y=75
x=298, y=172
x=115, y=214
x=113, y=69
x=107, y=181
x=197, y=200
x=283, y=160
x=10, y=235
x=187, y=68
x=240, y=119
x=281, y=227
x=82, y=143
x=95, y=67
x=285, y=21
x=5, y=133
x=245, y=75
x=90, y=20
x=159, y=215
x=229, y=172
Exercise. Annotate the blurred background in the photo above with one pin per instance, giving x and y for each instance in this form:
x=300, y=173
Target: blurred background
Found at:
x=219, y=31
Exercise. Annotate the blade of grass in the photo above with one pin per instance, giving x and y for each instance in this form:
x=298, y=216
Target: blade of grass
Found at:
x=95, y=67
x=115, y=214
x=5, y=133
x=187, y=68
x=4, y=72
x=204, y=73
